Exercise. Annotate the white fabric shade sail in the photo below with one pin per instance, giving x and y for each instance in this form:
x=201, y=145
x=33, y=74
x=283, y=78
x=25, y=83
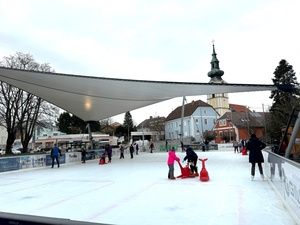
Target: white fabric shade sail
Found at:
x=95, y=98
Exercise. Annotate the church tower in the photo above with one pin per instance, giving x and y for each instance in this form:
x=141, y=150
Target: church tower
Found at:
x=218, y=101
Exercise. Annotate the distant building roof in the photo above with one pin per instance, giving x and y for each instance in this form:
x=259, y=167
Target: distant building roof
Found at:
x=238, y=108
x=152, y=121
x=242, y=119
x=115, y=124
x=189, y=109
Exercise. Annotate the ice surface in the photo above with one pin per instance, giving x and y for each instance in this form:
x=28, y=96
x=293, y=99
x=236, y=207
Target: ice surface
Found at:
x=137, y=191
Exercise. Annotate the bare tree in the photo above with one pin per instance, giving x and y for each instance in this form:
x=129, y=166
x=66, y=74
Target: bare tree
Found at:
x=20, y=110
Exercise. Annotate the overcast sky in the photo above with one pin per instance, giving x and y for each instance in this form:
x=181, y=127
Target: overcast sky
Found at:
x=157, y=40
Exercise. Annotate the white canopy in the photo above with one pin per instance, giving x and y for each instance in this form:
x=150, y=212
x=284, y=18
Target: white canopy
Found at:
x=96, y=98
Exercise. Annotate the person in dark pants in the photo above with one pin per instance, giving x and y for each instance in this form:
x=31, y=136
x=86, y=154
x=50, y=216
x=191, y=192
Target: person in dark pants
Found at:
x=131, y=150
x=83, y=155
x=206, y=142
x=254, y=145
x=171, y=158
x=151, y=147
x=121, y=152
x=54, y=155
x=137, y=149
x=182, y=146
x=192, y=158
x=108, y=150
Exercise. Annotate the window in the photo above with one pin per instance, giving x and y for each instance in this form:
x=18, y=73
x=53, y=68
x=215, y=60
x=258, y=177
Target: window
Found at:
x=221, y=134
x=222, y=122
x=205, y=121
x=216, y=134
x=204, y=111
x=196, y=121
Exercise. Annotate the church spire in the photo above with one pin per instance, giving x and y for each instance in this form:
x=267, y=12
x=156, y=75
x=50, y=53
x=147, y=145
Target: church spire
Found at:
x=215, y=73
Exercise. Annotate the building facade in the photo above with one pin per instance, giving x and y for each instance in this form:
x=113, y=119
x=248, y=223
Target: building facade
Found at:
x=240, y=125
x=152, y=129
x=197, y=118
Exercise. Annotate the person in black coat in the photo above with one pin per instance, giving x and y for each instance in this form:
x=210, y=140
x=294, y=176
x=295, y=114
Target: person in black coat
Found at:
x=192, y=158
x=83, y=155
x=131, y=150
x=254, y=145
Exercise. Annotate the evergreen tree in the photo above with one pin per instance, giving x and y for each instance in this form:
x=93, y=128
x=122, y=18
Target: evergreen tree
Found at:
x=128, y=124
x=283, y=102
x=71, y=124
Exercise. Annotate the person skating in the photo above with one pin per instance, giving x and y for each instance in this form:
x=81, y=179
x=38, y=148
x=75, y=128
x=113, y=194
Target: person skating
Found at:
x=171, y=158
x=235, y=146
x=54, y=155
x=109, y=152
x=122, y=152
x=137, y=148
x=131, y=150
x=83, y=155
x=151, y=147
x=192, y=158
x=254, y=145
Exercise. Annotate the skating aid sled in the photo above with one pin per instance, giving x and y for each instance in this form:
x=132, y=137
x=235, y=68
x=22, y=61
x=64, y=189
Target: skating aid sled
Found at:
x=244, y=151
x=203, y=173
x=185, y=171
x=102, y=160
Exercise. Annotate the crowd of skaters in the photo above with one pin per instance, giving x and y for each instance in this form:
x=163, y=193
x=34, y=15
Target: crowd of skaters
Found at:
x=133, y=149
x=253, y=145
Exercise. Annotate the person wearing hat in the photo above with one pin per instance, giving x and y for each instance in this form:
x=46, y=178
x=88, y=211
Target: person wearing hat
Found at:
x=254, y=145
x=172, y=157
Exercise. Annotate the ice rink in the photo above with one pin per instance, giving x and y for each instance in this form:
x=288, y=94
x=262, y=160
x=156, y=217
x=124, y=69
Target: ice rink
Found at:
x=137, y=191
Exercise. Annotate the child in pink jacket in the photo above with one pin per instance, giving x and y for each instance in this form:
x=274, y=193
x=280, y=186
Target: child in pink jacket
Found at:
x=172, y=157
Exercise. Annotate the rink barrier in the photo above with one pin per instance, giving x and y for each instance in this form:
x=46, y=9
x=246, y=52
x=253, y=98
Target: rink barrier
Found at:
x=20, y=219
x=284, y=177
x=21, y=162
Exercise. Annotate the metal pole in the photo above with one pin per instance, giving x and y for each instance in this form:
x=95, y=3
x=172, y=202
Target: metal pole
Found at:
x=182, y=115
x=90, y=136
x=143, y=138
x=265, y=124
x=201, y=125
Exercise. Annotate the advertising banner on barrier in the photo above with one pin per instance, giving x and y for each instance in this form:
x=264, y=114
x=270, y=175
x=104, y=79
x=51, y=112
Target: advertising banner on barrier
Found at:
x=284, y=175
x=9, y=164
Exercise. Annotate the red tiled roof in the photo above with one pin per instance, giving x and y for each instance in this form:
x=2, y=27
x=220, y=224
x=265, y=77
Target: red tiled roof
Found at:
x=238, y=108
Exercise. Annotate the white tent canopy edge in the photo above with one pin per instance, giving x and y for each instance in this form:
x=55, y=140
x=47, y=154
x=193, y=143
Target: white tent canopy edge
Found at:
x=95, y=98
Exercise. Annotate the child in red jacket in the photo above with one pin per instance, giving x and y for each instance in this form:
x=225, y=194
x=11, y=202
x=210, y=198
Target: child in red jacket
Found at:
x=172, y=157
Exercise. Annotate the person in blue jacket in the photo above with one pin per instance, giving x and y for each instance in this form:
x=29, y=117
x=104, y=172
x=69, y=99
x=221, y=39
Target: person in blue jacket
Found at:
x=54, y=155
x=192, y=158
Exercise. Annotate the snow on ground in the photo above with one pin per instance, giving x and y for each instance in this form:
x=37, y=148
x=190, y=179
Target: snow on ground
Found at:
x=137, y=191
